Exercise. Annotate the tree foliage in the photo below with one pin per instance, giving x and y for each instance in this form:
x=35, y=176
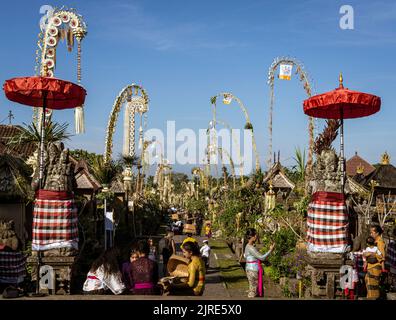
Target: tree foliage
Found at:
x=29, y=133
x=105, y=172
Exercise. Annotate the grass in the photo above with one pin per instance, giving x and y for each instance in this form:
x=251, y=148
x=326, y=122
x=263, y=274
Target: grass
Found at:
x=232, y=273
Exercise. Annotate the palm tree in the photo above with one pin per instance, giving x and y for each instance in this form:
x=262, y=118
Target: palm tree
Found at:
x=53, y=132
x=130, y=161
x=301, y=164
x=105, y=172
x=30, y=134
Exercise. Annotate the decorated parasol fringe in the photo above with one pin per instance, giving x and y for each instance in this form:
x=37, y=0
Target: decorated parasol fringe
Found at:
x=79, y=120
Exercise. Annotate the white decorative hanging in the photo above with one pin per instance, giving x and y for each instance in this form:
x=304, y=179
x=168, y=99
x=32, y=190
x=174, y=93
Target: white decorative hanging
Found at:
x=79, y=120
x=128, y=148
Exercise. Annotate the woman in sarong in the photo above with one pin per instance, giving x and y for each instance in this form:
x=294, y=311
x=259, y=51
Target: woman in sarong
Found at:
x=195, y=284
x=374, y=265
x=144, y=272
x=254, y=270
x=104, y=276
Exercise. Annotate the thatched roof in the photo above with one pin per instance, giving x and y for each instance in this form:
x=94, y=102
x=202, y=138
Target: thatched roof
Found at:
x=14, y=178
x=281, y=181
x=278, y=177
x=22, y=151
x=357, y=188
x=84, y=179
x=384, y=175
x=357, y=165
x=117, y=186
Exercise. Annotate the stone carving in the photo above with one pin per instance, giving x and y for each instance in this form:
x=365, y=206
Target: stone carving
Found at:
x=33, y=161
x=63, y=252
x=326, y=174
x=62, y=272
x=8, y=237
x=58, y=170
x=58, y=176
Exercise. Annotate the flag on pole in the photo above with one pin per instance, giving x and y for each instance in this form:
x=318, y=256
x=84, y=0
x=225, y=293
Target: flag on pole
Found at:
x=285, y=71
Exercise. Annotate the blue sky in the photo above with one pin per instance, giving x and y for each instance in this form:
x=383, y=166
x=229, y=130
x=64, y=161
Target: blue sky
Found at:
x=184, y=52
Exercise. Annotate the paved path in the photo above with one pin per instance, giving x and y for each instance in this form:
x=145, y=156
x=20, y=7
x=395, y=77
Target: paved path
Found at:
x=214, y=286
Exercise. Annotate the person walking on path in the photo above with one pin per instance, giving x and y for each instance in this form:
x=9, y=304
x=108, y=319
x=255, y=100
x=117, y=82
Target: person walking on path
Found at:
x=208, y=230
x=374, y=266
x=205, y=253
x=254, y=270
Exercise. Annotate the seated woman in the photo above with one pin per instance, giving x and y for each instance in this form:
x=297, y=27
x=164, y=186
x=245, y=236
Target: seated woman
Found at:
x=195, y=284
x=144, y=272
x=105, y=276
x=126, y=270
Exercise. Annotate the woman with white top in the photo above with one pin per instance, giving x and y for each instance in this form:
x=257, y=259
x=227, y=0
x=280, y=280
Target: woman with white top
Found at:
x=254, y=270
x=104, y=275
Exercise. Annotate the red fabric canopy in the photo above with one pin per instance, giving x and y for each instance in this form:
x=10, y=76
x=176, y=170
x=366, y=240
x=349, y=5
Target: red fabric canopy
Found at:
x=30, y=91
x=342, y=103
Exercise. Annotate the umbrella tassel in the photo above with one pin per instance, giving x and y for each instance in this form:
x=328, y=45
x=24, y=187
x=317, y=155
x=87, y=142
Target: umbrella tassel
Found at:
x=79, y=112
x=79, y=120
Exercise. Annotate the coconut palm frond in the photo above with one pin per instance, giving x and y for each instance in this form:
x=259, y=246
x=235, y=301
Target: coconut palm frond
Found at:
x=29, y=133
x=104, y=172
x=130, y=160
x=301, y=163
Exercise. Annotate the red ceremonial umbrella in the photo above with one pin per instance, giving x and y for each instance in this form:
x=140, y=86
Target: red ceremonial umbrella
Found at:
x=342, y=103
x=45, y=93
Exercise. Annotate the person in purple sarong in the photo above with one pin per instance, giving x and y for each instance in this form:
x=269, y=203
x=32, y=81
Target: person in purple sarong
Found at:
x=126, y=270
x=144, y=272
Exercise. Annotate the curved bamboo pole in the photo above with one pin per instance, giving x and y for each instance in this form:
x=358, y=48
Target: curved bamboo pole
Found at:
x=307, y=87
x=60, y=21
x=227, y=125
x=124, y=95
x=145, y=164
x=253, y=138
x=221, y=150
x=247, y=119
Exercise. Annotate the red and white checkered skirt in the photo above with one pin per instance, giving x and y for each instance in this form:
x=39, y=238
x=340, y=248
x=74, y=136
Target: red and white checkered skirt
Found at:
x=55, y=221
x=327, y=222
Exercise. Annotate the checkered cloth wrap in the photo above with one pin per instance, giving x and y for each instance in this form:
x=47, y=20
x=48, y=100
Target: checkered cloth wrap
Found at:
x=390, y=258
x=55, y=221
x=327, y=222
x=359, y=263
x=12, y=267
